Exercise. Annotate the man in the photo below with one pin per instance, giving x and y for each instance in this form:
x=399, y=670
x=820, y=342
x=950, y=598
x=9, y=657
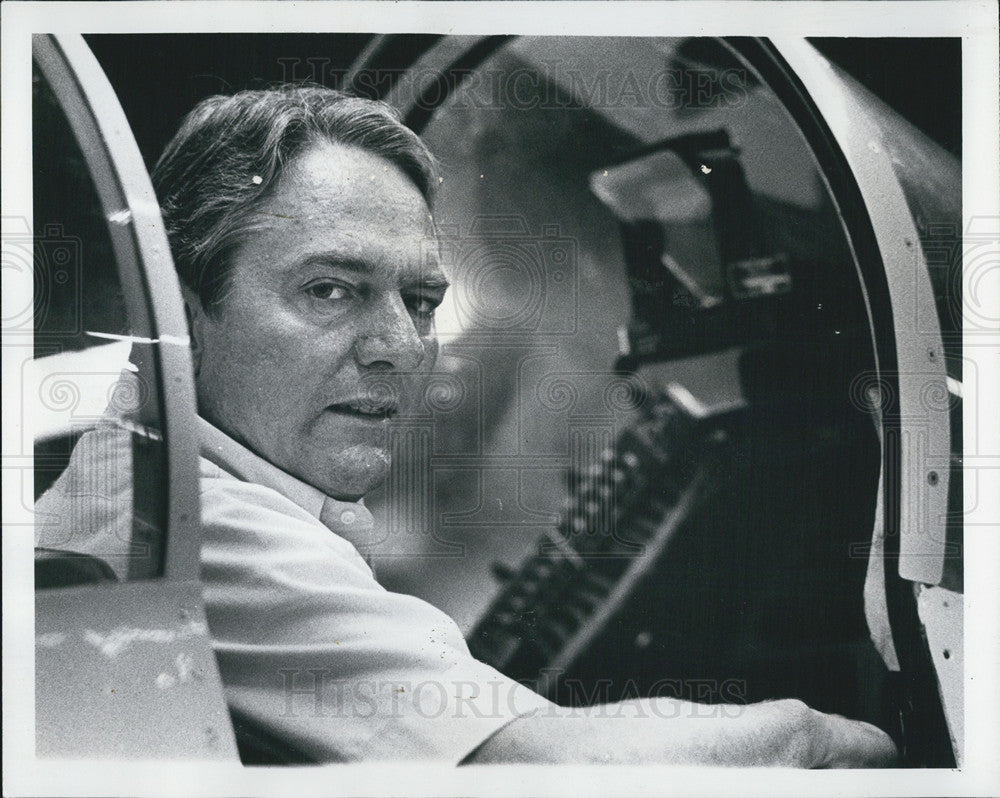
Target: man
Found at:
x=299, y=221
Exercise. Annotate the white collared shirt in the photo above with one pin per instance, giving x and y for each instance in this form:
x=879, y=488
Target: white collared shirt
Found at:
x=310, y=647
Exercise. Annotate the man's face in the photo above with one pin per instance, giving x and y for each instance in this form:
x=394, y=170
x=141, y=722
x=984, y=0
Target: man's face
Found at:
x=326, y=332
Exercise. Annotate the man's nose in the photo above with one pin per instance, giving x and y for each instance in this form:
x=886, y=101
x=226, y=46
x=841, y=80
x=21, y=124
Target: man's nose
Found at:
x=390, y=339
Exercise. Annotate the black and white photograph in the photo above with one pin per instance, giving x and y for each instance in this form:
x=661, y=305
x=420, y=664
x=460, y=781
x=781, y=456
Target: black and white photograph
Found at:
x=501, y=398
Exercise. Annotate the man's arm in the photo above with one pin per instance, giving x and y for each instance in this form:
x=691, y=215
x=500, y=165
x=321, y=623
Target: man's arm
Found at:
x=347, y=671
x=669, y=731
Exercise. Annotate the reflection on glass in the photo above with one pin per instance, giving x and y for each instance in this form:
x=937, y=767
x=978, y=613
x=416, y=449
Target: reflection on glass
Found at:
x=704, y=258
x=98, y=447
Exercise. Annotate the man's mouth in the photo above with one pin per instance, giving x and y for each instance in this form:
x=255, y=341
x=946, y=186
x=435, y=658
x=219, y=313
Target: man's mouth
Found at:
x=364, y=409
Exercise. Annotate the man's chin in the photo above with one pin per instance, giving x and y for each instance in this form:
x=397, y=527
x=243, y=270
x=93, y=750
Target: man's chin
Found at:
x=350, y=475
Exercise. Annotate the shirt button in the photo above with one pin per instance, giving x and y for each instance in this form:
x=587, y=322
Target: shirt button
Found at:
x=348, y=516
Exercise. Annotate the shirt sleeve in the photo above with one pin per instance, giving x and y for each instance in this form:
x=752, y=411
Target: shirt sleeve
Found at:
x=312, y=649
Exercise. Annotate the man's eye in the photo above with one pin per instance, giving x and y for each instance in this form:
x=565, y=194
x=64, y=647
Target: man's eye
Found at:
x=326, y=290
x=423, y=306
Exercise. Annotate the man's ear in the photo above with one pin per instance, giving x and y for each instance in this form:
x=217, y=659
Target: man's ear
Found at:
x=195, y=316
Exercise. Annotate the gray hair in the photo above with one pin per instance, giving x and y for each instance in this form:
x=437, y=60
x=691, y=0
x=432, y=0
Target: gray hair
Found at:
x=230, y=151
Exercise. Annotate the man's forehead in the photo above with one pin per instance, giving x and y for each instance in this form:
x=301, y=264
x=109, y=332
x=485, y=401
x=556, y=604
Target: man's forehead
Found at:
x=343, y=204
x=329, y=172
x=432, y=260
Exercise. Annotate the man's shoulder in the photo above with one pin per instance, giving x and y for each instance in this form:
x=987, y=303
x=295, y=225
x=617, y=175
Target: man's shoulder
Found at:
x=89, y=508
x=242, y=515
x=219, y=487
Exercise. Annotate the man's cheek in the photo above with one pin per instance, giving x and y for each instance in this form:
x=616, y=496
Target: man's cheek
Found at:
x=431, y=347
x=420, y=383
x=415, y=392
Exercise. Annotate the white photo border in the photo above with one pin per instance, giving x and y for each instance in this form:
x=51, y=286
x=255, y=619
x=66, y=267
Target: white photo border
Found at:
x=974, y=21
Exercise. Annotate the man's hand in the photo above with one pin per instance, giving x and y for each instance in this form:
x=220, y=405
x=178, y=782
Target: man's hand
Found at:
x=844, y=743
x=783, y=733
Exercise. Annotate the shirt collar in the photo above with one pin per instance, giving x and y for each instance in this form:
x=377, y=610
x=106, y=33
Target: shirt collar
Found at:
x=351, y=520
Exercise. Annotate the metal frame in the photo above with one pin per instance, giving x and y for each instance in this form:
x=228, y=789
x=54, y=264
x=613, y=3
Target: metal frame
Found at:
x=895, y=277
x=152, y=293
x=161, y=698
x=916, y=429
